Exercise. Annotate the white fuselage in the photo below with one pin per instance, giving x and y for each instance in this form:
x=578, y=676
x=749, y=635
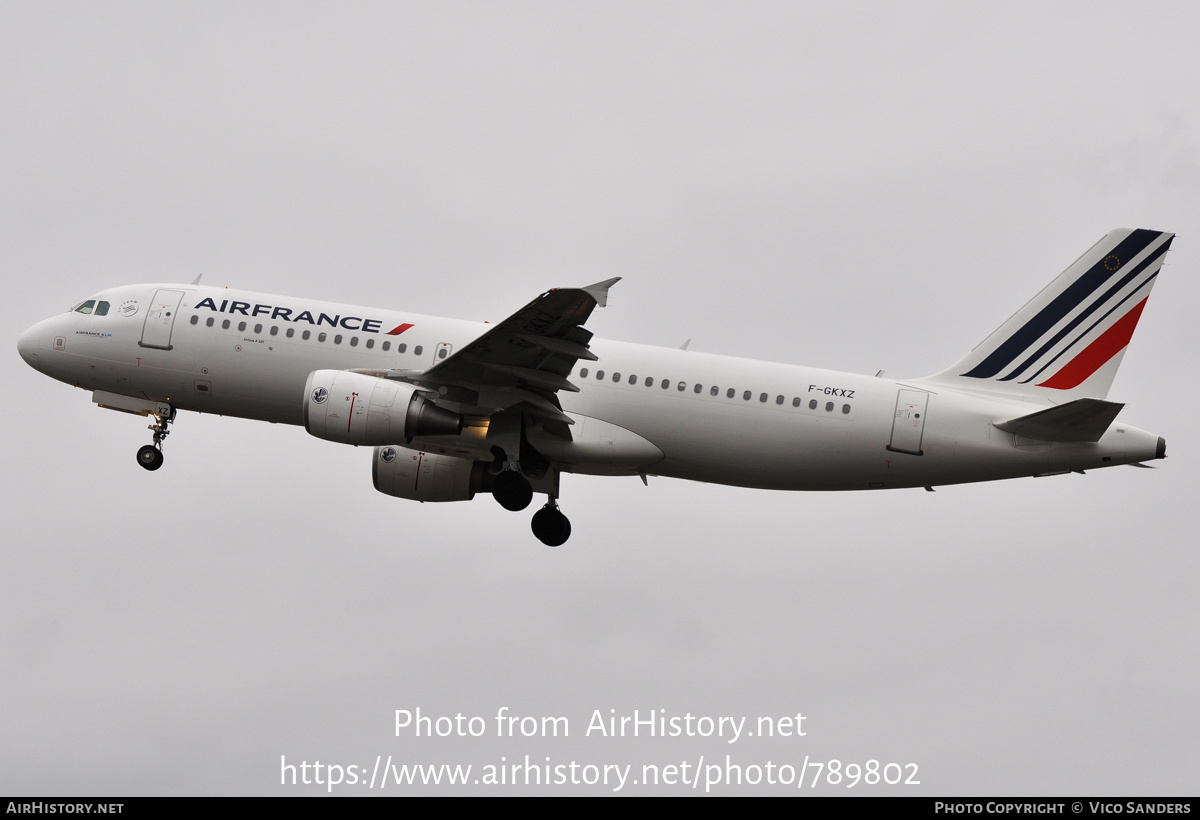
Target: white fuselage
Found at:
x=784, y=427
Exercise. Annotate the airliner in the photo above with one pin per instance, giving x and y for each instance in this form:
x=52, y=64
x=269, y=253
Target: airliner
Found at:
x=456, y=408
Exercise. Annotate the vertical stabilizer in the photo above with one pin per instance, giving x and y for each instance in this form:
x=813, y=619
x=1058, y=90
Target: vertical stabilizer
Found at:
x=1067, y=342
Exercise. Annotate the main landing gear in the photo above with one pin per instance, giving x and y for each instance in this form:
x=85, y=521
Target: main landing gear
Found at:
x=550, y=526
x=517, y=467
x=150, y=456
x=513, y=491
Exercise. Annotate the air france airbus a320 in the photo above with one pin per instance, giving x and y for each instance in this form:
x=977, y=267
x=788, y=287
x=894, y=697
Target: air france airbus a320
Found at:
x=454, y=408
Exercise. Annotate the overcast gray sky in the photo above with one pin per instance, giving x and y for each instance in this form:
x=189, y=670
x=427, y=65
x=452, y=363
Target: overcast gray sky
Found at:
x=852, y=186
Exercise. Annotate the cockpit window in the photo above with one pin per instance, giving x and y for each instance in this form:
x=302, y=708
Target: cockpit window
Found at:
x=92, y=306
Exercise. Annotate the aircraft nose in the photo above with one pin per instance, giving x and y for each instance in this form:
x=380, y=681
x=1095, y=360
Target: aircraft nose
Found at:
x=27, y=346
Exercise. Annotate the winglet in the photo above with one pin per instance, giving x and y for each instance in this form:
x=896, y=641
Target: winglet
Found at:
x=599, y=291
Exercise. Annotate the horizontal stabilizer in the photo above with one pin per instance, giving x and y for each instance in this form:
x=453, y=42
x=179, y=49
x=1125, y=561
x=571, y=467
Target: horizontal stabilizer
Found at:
x=1081, y=420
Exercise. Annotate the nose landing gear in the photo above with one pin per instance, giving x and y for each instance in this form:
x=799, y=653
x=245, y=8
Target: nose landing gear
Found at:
x=150, y=457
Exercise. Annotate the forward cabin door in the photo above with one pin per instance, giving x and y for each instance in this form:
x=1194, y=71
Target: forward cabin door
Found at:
x=160, y=319
x=908, y=425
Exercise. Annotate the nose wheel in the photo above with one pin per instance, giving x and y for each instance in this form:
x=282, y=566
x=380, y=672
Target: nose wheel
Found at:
x=150, y=456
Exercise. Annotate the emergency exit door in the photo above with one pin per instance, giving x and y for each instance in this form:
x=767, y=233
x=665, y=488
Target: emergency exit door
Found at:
x=908, y=425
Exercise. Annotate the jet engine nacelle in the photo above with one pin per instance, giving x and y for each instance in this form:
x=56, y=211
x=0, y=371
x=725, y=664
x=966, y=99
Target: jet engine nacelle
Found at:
x=427, y=476
x=353, y=408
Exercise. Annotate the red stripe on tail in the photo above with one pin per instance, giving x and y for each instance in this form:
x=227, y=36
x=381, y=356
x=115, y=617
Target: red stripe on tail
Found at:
x=1094, y=356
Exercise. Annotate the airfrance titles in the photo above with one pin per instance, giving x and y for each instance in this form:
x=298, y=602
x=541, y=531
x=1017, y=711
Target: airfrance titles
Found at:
x=285, y=314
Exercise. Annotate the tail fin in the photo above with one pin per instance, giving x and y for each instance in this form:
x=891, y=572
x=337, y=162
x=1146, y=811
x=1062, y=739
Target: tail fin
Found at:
x=1067, y=343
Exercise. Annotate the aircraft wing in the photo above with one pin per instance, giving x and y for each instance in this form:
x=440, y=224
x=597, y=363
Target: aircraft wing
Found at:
x=525, y=359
